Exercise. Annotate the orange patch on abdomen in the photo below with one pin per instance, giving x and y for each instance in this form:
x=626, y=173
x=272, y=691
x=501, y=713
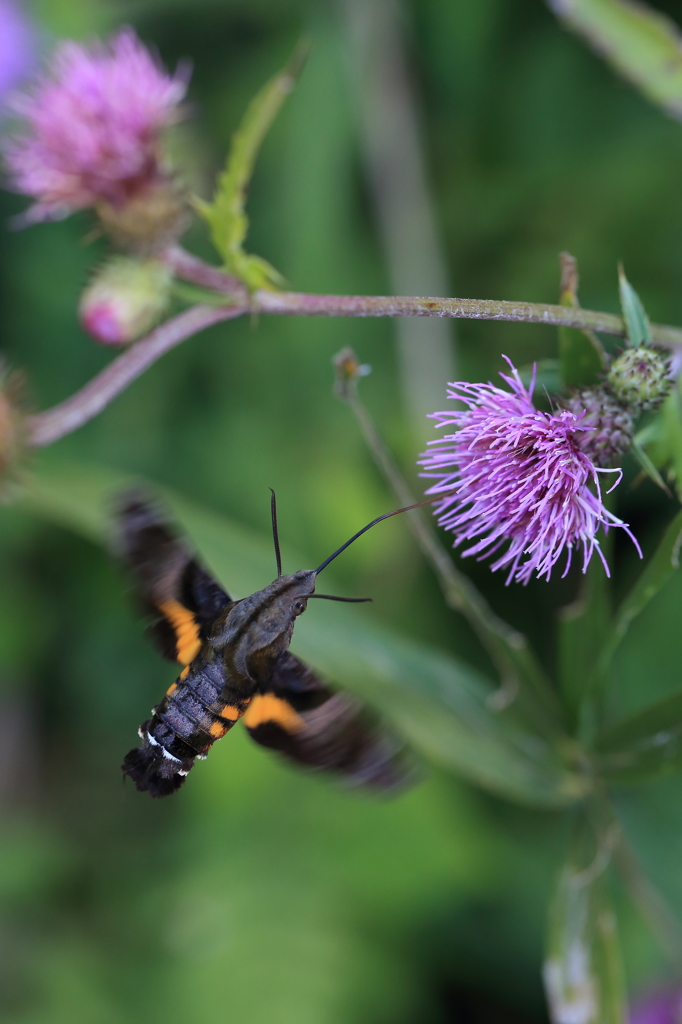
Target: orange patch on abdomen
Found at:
x=230, y=714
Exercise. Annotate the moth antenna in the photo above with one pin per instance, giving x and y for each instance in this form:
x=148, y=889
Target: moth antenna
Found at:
x=333, y=597
x=386, y=515
x=275, y=532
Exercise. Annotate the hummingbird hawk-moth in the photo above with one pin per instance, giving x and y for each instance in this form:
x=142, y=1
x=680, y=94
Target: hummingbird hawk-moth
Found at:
x=236, y=666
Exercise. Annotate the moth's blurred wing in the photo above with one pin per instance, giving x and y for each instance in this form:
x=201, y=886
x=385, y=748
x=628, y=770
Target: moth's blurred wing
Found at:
x=324, y=730
x=180, y=597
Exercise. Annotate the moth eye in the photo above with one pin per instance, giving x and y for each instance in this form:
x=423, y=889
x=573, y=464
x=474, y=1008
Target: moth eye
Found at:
x=299, y=605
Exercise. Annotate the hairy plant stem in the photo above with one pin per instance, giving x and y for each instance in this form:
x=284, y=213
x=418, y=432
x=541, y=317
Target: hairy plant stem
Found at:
x=49, y=426
x=299, y=304
x=509, y=650
x=191, y=268
x=302, y=304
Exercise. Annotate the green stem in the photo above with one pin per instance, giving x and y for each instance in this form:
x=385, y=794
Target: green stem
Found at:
x=300, y=304
x=49, y=426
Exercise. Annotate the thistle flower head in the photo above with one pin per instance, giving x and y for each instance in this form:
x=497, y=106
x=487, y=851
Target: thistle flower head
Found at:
x=93, y=126
x=607, y=427
x=17, y=45
x=523, y=489
x=661, y=1007
x=640, y=378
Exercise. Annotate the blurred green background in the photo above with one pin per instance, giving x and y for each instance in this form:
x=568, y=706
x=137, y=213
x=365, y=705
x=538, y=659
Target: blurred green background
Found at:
x=259, y=894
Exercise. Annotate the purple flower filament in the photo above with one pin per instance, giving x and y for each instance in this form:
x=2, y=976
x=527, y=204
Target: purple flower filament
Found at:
x=521, y=482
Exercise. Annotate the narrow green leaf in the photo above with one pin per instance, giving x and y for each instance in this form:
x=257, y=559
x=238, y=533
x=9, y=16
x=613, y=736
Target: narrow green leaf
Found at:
x=645, y=745
x=671, y=421
x=226, y=215
x=643, y=45
x=636, y=321
x=441, y=705
x=583, y=973
x=583, y=626
x=581, y=355
x=656, y=574
x=77, y=497
x=650, y=858
x=547, y=375
x=648, y=466
x=661, y=438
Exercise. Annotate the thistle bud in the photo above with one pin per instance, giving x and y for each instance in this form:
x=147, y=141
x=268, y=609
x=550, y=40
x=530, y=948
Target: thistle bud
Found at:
x=125, y=299
x=606, y=426
x=348, y=369
x=639, y=378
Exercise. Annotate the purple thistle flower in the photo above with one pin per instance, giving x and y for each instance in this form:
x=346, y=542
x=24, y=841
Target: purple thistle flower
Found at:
x=17, y=45
x=93, y=126
x=662, y=1007
x=520, y=481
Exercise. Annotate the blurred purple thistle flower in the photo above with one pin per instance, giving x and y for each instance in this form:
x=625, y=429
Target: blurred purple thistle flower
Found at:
x=522, y=483
x=93, y=126
x=662, y=1007
x=17, y=46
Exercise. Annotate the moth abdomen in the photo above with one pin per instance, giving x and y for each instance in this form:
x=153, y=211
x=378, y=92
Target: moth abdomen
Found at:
x=162, y=763
x=191, y=717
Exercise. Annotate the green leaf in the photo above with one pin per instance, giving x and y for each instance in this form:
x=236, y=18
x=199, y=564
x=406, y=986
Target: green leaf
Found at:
x=652, y=819
x=547, y=375
x=583, y=626
x=637, y=323
x=661, y=438
x=443, y=708
x=226, y=215
x=583, y=972
x=581, y=355
x=648, y=466
x=645, y=745
x=441, y=705
x=642, y=44
x=661, y=566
